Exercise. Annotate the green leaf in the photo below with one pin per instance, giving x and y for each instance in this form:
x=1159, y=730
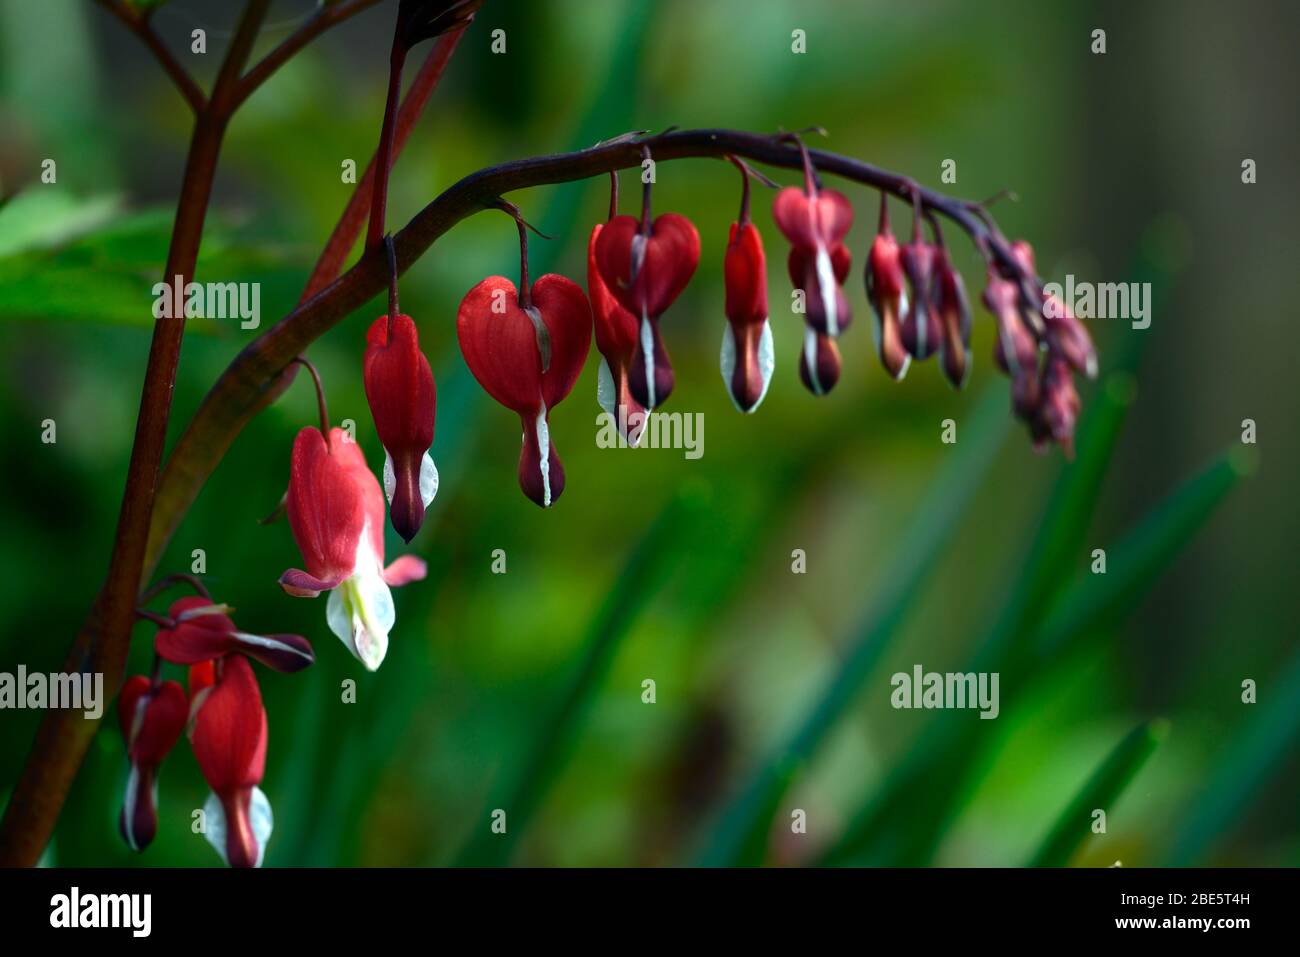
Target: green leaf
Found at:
x=1140, y=556
x=925, y=543
x=650, y=560
x=907, y=813
x=44, y=218
x=1102, y=790
x=1254, y=756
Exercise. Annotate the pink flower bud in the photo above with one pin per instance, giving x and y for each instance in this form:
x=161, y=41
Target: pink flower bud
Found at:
x=952, y=311
x=884, y=275
x=920, y=328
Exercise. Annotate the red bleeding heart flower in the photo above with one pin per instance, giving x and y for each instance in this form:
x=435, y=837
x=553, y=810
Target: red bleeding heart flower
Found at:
x=203, y=631
x=748, y=356
x=618, y=340
x=403, y=401
x=528, y=355
x=646, y=265
x=229, y=742
x=819, y=360
x=152, y=716
x=919, y=326
x=888, y=298
x=336, y=512
x=951, y=310
x=1058, y=409
x=815, y=221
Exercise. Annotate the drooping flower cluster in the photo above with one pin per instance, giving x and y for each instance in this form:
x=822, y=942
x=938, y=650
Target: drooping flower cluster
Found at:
x=226, y=724
x=1040, y=345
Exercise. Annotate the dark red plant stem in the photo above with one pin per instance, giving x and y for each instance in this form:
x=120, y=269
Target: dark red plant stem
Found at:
x=139, y=24
x=252, y=377
x=647, y=183
x=354, y=216
x=102, y=644
x=162, y=621
x=320, y=396
x=882, y=224
x=613, y=194
x=327, y=16
x=384, y=156
x=743, y=219
x=393, y=306
x=166, y=582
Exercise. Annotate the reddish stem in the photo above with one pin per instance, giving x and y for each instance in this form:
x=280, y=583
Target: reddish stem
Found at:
x=384, y=157
x=320, y=397
x=354, y=216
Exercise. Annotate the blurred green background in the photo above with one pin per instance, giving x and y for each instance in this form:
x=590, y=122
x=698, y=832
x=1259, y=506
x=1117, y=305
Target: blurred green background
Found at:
x=523, y=691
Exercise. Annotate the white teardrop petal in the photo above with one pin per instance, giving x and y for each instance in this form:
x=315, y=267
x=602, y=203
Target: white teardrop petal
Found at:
x=428, y=479
x=390, y=477
x=606, y=391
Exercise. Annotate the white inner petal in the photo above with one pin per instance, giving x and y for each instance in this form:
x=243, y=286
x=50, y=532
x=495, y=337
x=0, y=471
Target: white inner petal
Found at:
x=648, y=356
x=128, y=809
x=728, y=359
x=428, y=479
x=606, y=391
x=390, y=477
x=262, y=641
x=544, y=455
x=766, y=360
x=810, y=358
x=826, y=280
x=360, y=610
x=259, y=817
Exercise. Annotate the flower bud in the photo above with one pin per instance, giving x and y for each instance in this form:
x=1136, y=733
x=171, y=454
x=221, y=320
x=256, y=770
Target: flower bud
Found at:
x=819, y=362
x=1058, y=408
x=152, y=718
x=747, y=356
x=1067, y=337
x=400, y=390
x=884, y=276
x=229, y=742
x=920, y=329
x=952, y=312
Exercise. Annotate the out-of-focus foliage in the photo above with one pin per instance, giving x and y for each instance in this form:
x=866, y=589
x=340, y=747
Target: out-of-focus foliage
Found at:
x=524, y=690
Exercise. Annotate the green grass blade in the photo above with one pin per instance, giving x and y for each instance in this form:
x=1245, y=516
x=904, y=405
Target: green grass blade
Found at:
x=1103, y=789
x=1260, y=750
x=649, y=562
x=1141, y=555
x=948, y=744
x=733, y=829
